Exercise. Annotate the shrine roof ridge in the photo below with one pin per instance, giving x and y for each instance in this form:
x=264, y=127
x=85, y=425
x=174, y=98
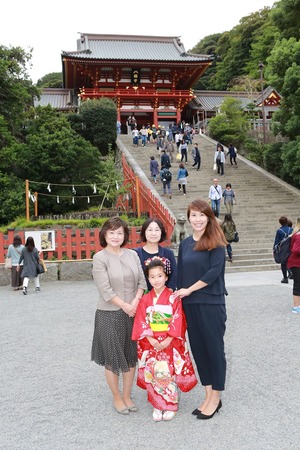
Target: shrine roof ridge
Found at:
x=133, y=48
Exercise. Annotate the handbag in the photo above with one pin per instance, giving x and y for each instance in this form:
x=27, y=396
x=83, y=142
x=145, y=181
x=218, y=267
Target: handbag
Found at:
x=40, y=268
x=236, y=237
x=8, y=263
x=215, y=166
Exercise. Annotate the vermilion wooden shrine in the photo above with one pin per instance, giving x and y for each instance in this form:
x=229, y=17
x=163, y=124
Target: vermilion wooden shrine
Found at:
x=150, y=77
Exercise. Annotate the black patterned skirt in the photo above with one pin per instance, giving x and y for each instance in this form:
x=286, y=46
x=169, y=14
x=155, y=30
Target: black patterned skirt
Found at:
x=112, y=345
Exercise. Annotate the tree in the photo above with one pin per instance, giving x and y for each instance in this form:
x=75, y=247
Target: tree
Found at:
x=51, y=80
x=231, y=124
x=54, y=153
x=207, y=46
x=16, y=89
x=96, y=122
x=286, y=16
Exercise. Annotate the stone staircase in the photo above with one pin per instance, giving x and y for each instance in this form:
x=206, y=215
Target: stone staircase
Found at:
x=261, y=200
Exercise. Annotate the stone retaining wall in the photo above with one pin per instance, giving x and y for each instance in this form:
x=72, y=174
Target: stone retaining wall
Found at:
x=57, y=270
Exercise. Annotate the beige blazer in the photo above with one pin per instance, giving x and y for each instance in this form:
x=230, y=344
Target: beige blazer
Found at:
x=108, y=276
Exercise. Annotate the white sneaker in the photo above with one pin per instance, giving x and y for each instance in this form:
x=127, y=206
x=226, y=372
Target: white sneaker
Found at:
x=157, y=415
x=296, y=310
x=169, y=415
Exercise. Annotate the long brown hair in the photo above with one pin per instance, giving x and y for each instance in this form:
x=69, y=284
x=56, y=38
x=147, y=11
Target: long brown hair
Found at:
x=213, y=235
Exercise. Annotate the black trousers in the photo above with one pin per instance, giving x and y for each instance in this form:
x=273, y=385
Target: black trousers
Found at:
x=206, y=329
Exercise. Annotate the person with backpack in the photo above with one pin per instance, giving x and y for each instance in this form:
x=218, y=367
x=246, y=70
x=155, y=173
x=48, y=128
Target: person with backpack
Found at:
x=293, y=263
x=166, y=178
x=283, y=232
x=165, y=159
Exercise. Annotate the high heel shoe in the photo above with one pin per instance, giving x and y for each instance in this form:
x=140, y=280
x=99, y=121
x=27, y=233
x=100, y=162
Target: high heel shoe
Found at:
x=196, y=412
x=205, y=417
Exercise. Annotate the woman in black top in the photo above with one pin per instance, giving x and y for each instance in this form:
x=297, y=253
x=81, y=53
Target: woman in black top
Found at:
x=201, y=285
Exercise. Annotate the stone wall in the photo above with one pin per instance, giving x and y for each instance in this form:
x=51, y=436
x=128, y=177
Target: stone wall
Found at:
x=57, y=270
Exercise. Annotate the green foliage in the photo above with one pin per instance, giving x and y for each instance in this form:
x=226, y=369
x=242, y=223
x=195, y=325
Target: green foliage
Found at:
x=51, y=80
x=255, y=151
x=16, y=89
x=231, y=124
x=22, y=223
x=291, y=162
x=12, y=199
x=286, y=17
x=207, y=46
x=273, y=159
x=98, y=120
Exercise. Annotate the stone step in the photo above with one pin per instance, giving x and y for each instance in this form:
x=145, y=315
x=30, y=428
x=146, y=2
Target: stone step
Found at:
x=255, y=215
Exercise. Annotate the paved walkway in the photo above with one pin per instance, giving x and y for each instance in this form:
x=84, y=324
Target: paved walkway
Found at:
x=53, y=397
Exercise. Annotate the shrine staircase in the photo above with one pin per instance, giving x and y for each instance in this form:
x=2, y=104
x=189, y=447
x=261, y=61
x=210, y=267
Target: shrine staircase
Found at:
x=261, y=200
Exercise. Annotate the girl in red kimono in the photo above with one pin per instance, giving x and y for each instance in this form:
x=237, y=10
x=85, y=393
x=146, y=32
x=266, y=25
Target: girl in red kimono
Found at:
x=159, y=329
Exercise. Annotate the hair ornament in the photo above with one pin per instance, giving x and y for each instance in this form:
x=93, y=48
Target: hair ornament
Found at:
x=165, y=261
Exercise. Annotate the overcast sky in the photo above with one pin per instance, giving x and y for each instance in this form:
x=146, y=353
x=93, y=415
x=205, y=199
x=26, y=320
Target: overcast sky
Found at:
x=52, y=27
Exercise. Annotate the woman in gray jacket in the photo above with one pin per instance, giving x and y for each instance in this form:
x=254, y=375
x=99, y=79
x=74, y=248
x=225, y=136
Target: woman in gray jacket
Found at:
x=120, y=280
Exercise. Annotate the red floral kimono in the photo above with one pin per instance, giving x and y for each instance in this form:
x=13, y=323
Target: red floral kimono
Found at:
x=161, y=373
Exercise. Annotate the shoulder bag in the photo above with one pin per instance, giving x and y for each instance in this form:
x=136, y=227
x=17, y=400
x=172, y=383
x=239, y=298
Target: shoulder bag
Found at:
x=8, y=263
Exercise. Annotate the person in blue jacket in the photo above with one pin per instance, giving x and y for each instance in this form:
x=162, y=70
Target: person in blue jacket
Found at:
x=284, y=231
x=152, y=234
x=201, y=285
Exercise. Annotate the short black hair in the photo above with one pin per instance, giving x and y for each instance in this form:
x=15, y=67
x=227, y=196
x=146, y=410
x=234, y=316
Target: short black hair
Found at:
x=146, y=225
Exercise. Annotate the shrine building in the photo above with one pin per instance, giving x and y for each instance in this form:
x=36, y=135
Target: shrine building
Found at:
x=150, y=77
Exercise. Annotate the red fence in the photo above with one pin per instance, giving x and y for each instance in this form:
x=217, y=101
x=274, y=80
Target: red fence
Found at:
x=84, y=243
x=144, y=201
x=69, y=244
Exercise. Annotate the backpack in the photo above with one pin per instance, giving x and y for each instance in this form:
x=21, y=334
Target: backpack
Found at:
x=167, y=175
x=282, y=250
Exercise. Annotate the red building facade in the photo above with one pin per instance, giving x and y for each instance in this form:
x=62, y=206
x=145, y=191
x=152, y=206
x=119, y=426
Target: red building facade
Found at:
x=150, y=77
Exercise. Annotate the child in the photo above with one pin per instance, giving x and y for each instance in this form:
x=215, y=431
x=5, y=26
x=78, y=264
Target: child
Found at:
x=159, y=328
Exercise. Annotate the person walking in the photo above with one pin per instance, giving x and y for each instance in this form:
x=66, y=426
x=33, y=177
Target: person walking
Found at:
x=183, y=150
x=219, y=159
x=196, y=156
x=165, y=160
x=229, y=229
x=159, y=329
x=144, y=133
x=166, y=178
x=120, y=281
x=154, y=168
x=283, y=232
x=14, y=252
x=229, y=197
x=215, y=195
x=30, y=258
x=293, y=263
x=201, y=286
x=232, y=154
x=182, y=174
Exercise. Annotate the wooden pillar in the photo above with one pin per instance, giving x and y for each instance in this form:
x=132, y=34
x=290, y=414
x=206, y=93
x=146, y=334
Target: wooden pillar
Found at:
x=178, y=115
x=27, y=198
x=155, y=118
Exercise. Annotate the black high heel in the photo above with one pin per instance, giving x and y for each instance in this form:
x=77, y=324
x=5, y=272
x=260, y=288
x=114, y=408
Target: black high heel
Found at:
x=196, y=412
x=205, y=417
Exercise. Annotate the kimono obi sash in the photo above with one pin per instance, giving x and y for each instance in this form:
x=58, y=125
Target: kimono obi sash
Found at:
x=159, y=317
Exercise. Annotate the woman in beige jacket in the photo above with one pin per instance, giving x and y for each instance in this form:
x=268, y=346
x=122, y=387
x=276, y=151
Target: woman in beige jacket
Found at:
x=120, y=280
